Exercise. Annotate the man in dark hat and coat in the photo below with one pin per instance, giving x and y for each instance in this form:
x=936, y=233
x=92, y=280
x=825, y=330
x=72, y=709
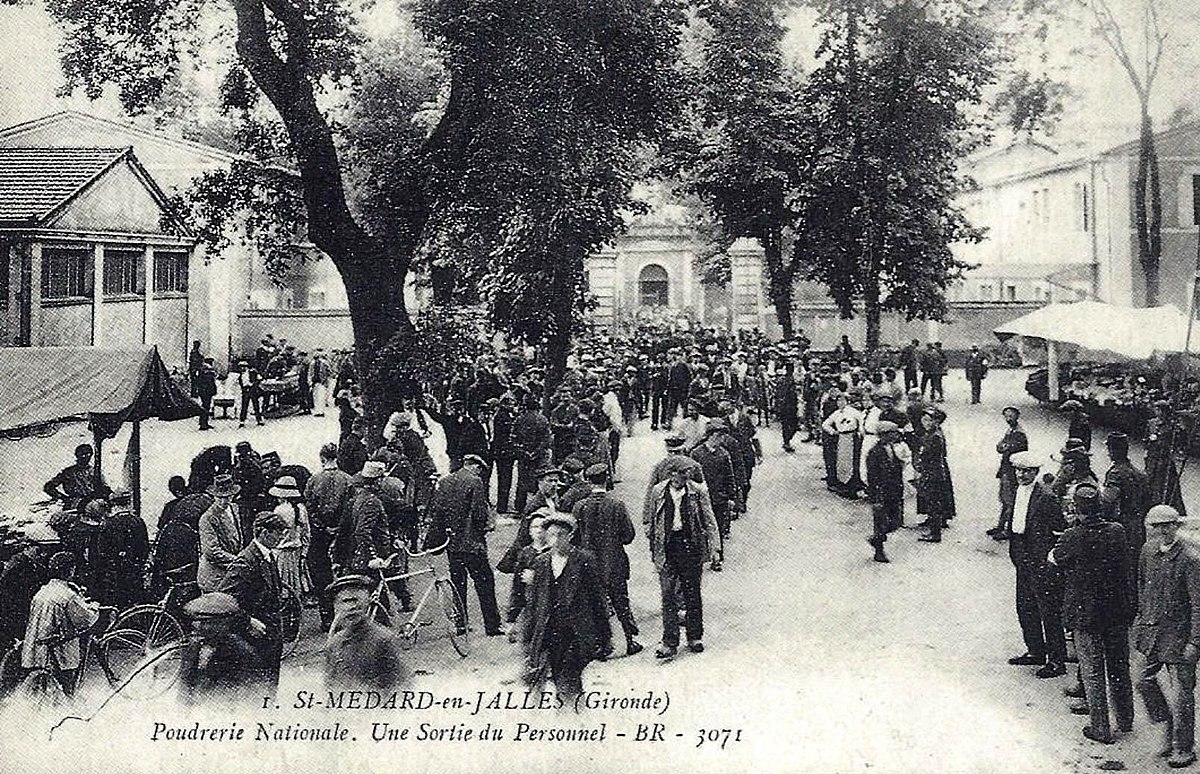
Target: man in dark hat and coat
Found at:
x=1014, y=440
x=885, y=486
x=253, y=580
x=1126, y=492
x=220, y=532
x=360, y=654
x=604, y=528
x=567, y=626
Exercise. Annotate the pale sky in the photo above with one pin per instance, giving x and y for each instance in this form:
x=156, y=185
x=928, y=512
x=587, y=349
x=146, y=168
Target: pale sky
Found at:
x=1103, y=111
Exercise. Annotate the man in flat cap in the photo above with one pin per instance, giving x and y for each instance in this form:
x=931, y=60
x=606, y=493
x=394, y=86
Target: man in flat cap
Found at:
x=604, y=528
x=1098, y=609
x=1081, y=424
x=460, y=514
x=218, y=664
x=1126, y=491
x=1014, y=440
x=1037, y=516
x=721, y=477
x=253, y=580
x=360, y=654
x=1167, y=632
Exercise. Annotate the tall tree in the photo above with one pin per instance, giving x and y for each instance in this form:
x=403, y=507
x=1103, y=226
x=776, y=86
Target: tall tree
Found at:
x=744, y=151
x=893, y=101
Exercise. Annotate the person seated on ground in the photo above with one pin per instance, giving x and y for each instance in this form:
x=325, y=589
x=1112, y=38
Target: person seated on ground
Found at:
x=360, y=653
x=59, y=616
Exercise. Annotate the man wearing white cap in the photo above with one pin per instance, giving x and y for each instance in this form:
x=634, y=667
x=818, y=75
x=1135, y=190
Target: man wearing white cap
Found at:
x=1037, y=516
x=1167, y=632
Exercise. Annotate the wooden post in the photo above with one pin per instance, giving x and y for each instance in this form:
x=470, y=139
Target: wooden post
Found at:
x=1052, y=370
x=98, y=447
x=135, y=474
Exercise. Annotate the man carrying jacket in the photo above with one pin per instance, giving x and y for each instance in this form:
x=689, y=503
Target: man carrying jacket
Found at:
x=1167, y=632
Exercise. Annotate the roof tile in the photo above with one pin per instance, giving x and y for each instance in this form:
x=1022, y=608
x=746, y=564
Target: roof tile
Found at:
x=34, y=181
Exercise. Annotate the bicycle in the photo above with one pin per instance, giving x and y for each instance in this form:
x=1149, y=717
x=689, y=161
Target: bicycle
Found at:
x=447, y=599
x=147, y=627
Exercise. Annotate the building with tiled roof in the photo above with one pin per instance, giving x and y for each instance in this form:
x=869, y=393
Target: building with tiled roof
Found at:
x=89, y=255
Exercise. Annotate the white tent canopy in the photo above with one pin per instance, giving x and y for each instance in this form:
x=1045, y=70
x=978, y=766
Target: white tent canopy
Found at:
x=1132, y=333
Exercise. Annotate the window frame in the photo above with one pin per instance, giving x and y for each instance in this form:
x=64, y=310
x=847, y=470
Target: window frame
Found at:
x=81, y=280
x=124, y=272
x=176, y=273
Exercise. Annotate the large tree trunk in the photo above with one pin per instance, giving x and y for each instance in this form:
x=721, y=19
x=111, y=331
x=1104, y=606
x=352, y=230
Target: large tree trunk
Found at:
x=872, y=314
x=1147, y=208
x=558, y=342
x=374, y=276
x=779, y=281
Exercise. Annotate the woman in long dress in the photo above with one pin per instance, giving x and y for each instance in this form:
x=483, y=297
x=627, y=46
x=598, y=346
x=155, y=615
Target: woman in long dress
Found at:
x=843, y=424
x=292, y=549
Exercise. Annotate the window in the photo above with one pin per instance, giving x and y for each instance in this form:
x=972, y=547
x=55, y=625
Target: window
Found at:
x=1195, y=219
x=5, y=282
x=1035, y=214
x=123, y=272
x=170, y=271
x=66, y=273
x=1010, y=293
x=653, y=286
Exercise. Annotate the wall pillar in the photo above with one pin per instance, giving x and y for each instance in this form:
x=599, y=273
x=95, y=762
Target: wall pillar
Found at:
x=35, y=294
x=97, y=293
x=148, y=297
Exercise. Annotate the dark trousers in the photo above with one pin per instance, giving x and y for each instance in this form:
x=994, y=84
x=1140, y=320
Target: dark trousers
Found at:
x=675, y=399
x=1008, y=499
x=476, y=566
x=926, y=381
x=504, y=480
x=935, y=387
x=526, y=482
x=251, y=398
x=566, y=667
x=206, y=404
x=1181, y=711
x=1039, y=606
x=1101, y=653
x=614, y=446
x=788, y=425
x=320, y=570
x=976, y=386
x=910, y=378
x=658, y=409
x=680, y=576
x=618, y=597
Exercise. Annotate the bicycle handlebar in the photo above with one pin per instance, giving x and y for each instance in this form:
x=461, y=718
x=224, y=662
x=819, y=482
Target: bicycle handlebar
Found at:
x=426, y=552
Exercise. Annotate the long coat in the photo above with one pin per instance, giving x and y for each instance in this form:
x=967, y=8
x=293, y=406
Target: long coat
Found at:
x=1168, y=602
x=459, y=510
x=696, y=507
x=935, y=489
x=254, y=582
x=579, y=605
x=605, y=529
x=220, y=542
x=1095, y=563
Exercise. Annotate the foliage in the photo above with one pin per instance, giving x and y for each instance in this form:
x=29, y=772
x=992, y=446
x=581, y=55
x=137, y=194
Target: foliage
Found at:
x=442, y=338
x=891, y=101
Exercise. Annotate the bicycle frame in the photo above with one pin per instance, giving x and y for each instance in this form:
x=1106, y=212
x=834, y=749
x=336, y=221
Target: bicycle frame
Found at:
x=413, y=623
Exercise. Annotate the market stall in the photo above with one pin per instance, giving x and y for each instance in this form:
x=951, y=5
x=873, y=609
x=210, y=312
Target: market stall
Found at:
x=43, y=387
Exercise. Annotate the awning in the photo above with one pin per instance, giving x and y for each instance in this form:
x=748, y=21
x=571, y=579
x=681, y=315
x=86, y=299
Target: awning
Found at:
x=50, y=384
x=1129, y=332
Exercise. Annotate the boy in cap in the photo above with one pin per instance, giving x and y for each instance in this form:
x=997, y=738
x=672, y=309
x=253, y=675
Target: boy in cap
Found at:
x=1167, y=632
x=360, y=653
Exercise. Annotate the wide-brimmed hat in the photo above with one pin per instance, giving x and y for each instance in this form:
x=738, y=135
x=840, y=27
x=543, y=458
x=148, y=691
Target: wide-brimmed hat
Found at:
x=285, y=486
x=223, y=486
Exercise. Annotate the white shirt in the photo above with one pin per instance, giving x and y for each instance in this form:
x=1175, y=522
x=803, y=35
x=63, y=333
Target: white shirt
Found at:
x=557, y=564
x=1021, y=509
x=677, y=499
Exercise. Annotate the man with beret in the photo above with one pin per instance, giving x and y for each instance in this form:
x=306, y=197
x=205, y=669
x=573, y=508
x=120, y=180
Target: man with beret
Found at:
x=253, y=580
x=604, y=529
x=218, y=664
x=460, y=514
x=122, y=548
x=1167, y=632
x=885, y=486
x=1014, y=440
x=1126, y=489
x=1037, y=517
x=683, y=536
x=567, y=626
x=360, y=654
x=1097, y=607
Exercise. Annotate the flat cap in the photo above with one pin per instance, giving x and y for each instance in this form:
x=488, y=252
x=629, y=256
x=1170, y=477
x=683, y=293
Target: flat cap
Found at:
x=572, y=465
x=352, y=581
x=674, y=441
x=561, y=519
x=1025, y=460
x=1163, y=514
x=549, y=470
x=474, y=459
x=597, y=472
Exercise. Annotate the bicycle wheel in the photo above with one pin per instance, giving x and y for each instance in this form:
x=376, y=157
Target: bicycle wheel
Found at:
x=451, y=607
x=42, y=689
x=290, y=611
x=155, y=674
x=138, y=634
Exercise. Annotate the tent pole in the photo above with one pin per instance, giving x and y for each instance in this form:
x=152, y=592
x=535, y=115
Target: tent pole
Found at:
x=1052, y=371
x=135, y=474
x=98, y=446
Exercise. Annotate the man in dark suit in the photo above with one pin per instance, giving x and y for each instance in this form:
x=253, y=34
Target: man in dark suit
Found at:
x=1097, y=607
x=253, y=580
x=719, y=474
x=1014, y=441
x=885, y=486
x=530, y=438
x=1037, y=516
x=567, y=626
x=605, y=529
x=459, y=513
x=679, y=381
x=1127, y=492
x=659, y=373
